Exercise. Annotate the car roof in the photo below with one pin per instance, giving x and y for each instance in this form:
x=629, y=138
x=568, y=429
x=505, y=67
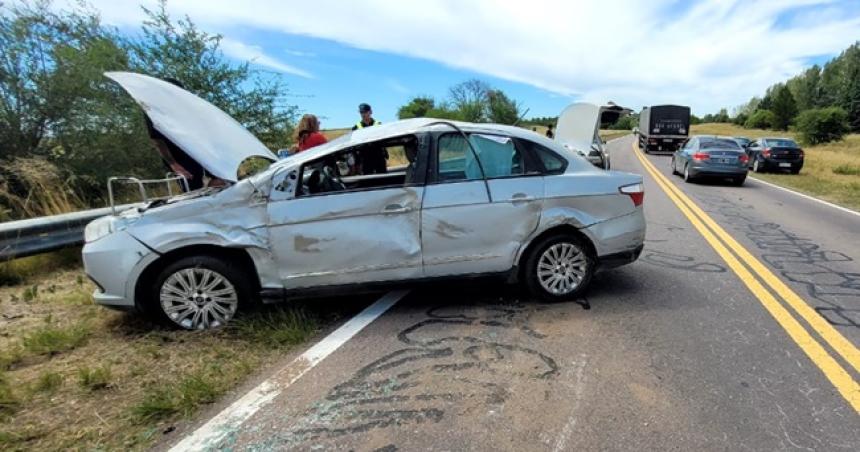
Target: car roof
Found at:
x=411, y=126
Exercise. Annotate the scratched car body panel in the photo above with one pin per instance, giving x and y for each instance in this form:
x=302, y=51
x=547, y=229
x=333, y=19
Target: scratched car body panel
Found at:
x=470, y=199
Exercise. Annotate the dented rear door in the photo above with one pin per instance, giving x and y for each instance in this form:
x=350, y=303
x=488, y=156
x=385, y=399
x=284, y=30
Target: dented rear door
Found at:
x=347, y=237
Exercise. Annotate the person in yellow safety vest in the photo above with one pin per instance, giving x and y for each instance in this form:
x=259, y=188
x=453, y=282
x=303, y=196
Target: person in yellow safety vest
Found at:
x=371, y=159
x=366, y=117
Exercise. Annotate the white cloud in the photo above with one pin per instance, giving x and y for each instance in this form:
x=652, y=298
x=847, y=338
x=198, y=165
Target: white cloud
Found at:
x=299, y=53
x=711, y=54
x=255, y=55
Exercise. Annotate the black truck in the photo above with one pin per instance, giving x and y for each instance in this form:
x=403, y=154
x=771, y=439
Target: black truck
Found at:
x=663, y=128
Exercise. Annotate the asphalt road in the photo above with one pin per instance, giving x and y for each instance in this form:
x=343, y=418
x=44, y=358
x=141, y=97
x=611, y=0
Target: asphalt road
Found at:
x=682, y=350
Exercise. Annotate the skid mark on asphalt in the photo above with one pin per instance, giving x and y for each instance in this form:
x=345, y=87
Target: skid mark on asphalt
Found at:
x=800, y=260
x=452, y=362
x=660, y=233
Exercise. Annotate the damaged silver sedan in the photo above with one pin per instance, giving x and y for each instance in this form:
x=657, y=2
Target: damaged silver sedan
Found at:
x=402, y=202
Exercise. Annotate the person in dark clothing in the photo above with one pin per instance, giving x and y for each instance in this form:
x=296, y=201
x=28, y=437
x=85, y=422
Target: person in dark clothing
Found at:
x=549, y=133
x=175, y=159
x=373, y=159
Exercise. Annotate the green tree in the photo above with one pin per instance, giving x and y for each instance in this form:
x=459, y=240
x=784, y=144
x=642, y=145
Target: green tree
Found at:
x=783, y=107
x=849, y=96
x=417, y=108
x=822, y=125
x=469, y=98
x=806, y=88
x=56, y=105
x=761, y=119
x=501, y=109
x=178, y=49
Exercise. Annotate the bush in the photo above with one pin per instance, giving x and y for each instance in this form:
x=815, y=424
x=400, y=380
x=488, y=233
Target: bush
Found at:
x=761, y=119
x=847, y=170
x=822, y=125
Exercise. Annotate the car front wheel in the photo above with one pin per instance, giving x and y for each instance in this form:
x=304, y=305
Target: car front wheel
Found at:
x=200, y=292
x=559, y=268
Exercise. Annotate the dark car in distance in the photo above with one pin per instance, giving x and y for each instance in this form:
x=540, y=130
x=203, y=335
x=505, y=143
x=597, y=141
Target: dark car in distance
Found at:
x=775, y=154
x=743, y=141
x=711, y=156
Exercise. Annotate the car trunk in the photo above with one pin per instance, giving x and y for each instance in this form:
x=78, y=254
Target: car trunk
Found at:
x=784, y=153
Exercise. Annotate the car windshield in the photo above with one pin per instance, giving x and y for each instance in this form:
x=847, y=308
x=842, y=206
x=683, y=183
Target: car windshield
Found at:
x=721, y=143
x=781, y=143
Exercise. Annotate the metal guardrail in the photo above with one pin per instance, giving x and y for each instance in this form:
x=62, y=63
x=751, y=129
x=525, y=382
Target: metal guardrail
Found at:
x=24, y=238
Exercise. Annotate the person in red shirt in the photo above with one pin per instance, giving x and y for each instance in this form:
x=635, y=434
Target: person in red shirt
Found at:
x=308, y=133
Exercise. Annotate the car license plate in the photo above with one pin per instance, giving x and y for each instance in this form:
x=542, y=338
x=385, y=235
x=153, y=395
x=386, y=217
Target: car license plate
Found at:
x=785, y=165
x=725, y=160
x=667, y=140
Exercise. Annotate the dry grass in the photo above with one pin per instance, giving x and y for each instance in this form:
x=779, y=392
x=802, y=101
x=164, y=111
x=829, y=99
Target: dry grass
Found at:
x=74, y=375
x=33, y=187
x=830, y=171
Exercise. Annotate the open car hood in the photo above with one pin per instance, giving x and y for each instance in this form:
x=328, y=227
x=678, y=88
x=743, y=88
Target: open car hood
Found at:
x=208, y=135
x=578, y=125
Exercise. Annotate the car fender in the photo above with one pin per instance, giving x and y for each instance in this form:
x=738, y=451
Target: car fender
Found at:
x=553, y=218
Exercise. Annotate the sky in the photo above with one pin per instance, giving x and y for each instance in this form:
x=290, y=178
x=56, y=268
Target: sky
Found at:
x=333, y=55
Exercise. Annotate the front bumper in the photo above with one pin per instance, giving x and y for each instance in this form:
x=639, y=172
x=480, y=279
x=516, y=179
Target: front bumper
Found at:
x=114, y=263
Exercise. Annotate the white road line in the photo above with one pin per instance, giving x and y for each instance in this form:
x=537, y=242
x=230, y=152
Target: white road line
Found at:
x=227, y=421
x=811, y=198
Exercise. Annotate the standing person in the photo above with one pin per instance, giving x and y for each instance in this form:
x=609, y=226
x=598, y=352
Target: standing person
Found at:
x=308, y=133
x=366, y=117
x=549, y=133
x=373, y=159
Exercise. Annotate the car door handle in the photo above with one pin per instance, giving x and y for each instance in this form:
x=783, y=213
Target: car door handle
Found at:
x=395, y=208
x=519, y=197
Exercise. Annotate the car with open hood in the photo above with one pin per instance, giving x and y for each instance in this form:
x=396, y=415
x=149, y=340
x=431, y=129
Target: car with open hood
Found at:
x=454, y=199
x=578, y=129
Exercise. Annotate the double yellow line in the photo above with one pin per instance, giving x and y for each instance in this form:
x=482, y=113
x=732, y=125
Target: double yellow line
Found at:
x=722, y=242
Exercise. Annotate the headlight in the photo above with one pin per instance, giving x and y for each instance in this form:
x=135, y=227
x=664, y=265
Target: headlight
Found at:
x=104, y=226
x=98, y=228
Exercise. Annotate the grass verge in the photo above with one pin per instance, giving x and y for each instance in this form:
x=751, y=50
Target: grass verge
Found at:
x=74, y=375
x=831, y=171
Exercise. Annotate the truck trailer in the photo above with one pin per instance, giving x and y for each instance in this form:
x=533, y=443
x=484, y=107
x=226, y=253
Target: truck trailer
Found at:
x=663, y=128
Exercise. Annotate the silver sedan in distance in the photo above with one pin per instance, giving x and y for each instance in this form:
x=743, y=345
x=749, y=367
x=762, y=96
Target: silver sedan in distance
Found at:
x=406, y=201
x=711, y=156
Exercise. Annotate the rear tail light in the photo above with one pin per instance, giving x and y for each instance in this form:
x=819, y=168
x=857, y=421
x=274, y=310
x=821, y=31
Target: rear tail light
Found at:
x=800, y=153
x=765, y=152
x=701, y=156
x=652, y=141
x=744, y=159
x=636, y=192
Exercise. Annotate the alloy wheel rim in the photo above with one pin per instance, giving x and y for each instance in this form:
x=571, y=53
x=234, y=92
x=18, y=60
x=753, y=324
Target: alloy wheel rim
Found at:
x=198, y=298
x=561, y=268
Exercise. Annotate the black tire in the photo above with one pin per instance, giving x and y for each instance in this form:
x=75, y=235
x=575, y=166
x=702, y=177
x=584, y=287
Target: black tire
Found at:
x=738, y=181
x=757, y=168
x=687, y=177
x=795, y=171
x=532, y=280
x=229, y=271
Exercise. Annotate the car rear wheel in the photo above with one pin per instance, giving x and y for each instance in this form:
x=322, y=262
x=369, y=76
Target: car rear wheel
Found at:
x=687, y=177
x=795, y=171
x=559, y=268
x=757, y=167
x=738, y=181
x=200, y=292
